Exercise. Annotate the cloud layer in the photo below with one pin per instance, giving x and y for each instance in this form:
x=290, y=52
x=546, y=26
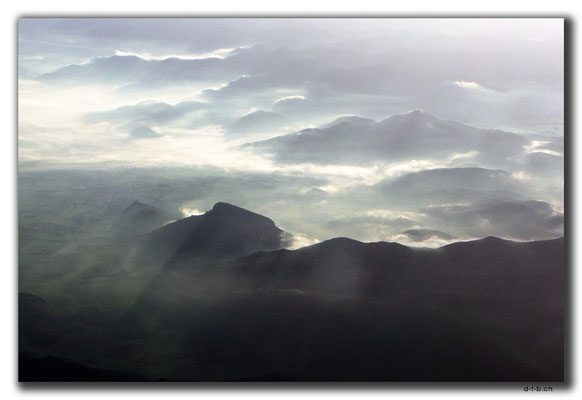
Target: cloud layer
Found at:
x=324, y=100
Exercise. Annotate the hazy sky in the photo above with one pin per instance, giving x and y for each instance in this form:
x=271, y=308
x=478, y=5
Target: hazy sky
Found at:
x=170, y=92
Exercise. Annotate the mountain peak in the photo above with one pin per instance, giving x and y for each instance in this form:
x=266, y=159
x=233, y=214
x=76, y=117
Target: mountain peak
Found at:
x=221, y=205
x=414, y=115
x=236, y=215
x=222, y=208
x=418, y=111
x=259, y=112
x=230, y=231
x=351, y=119
x=415, y=119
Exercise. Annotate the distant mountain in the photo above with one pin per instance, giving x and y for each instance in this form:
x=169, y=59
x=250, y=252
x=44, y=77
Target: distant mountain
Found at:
x=453, y=185
x=430, y=180
x=124, y=69
x=351, y=119
x=400, y=137
x=146, y=112
x=240, y=68
x=143, y=132
x=257, y=121
x=545, y=164
x=140, y=218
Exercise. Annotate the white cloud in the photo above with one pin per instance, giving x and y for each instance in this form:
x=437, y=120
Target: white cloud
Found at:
x=295, y=96
x=392, y=214
x=187, y=211
x=218, y=53
x=31, y=58
x=432, y=242
x=300, y=240
x=521, y=176
x=535, y=147
x=467, y=84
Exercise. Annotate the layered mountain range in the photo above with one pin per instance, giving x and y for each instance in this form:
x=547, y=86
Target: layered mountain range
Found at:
x=404, y=245
x=414, y=135
x=218, y=297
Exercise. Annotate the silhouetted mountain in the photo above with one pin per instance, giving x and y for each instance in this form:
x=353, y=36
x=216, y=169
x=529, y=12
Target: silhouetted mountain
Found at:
x=226, y=231
x=347, y=310
x=231, y=304
x=400, y=137
x=119, y=271
x=171, y=236
x=376, y=268
x=230, y=231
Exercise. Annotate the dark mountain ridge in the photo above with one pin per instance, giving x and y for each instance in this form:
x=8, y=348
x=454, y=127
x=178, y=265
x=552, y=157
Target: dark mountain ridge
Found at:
x=373, y=268
x=343, y=309
x=228, y=302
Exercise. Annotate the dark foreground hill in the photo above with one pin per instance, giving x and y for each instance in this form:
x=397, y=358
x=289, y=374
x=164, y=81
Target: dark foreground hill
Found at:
x=488, y=310
x=229, y=304
x=54, y=369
